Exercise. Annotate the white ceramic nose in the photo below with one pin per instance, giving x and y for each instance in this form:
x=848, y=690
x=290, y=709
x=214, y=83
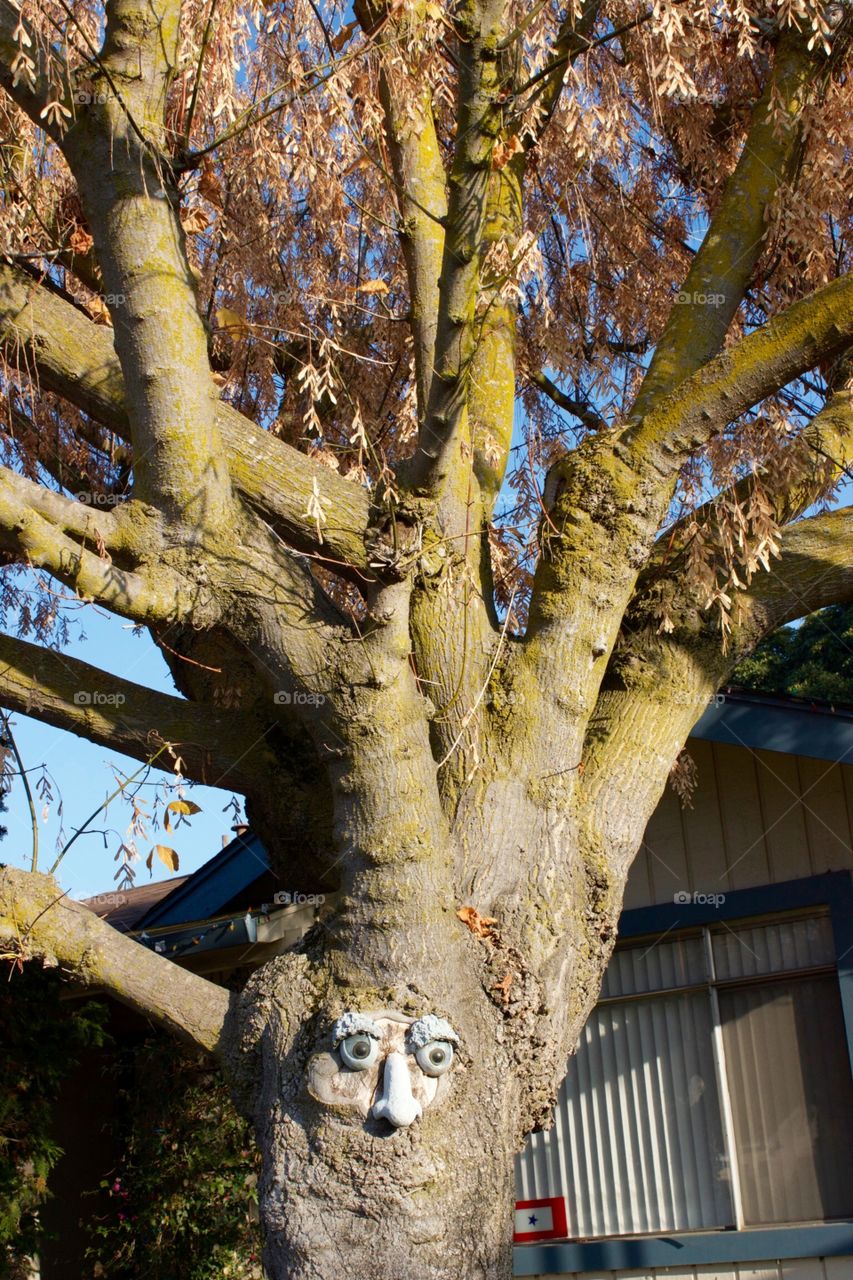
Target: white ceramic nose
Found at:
x=396, y=1102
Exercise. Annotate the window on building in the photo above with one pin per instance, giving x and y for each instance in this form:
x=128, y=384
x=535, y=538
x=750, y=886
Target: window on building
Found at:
x=712, y=1088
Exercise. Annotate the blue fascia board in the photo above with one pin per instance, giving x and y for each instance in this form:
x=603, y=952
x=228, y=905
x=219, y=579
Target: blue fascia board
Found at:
x=778, y=724
x=207, y=891
x=831, y=1240
x=832, y=889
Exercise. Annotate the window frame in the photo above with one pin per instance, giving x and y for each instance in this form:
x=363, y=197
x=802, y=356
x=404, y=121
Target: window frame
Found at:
x=833, y=891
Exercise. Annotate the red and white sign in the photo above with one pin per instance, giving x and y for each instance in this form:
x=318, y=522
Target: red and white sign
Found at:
x=540, y=1220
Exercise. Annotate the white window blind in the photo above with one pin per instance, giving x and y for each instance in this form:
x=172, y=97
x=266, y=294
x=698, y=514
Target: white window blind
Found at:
x=792, y=1101
x=643, y=1139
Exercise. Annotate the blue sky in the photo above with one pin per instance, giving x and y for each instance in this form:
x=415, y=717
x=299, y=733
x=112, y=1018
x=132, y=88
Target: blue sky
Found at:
x=84, y=776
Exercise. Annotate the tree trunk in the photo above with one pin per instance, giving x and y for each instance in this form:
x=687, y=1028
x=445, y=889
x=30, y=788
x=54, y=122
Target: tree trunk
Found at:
x=344, y=1194
x=428, y=1202
x=428, y=1195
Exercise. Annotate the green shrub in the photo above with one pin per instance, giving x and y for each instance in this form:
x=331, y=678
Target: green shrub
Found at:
x=42, y=1039
x=183, y=1196
x=814, y=660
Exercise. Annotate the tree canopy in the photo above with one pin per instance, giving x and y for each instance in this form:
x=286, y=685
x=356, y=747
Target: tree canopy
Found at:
x=814, y=660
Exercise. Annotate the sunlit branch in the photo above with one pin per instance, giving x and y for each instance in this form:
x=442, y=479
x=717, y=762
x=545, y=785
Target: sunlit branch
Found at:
x=34, y=529
x=75, y=358
x=819, y=327
x=420, y=184
x=478, y=125
x=39, y=921
x=722, y=268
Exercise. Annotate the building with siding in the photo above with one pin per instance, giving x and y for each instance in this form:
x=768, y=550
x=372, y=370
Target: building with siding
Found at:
x=705, y=1127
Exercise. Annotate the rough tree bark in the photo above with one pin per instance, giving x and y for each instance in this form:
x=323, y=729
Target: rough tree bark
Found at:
x=475, y=795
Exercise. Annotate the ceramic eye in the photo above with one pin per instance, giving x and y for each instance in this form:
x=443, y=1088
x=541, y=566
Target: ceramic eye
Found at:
x=434, y=1058
x=359, y=1052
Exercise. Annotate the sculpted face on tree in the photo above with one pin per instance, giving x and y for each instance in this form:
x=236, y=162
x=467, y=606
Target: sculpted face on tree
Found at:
x=385, y=1066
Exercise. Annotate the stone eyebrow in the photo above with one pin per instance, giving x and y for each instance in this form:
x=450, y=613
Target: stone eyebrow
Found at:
x=349, y=1024
x=430, y=1027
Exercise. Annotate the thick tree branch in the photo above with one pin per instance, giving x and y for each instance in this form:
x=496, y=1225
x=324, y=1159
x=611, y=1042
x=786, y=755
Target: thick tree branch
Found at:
x=131, y=204
x=816, y=328
x=39, y=921
x=61, y=348
x=419, y=179
x=421, y=182
x=453, y=633
x=723, y=266
x=653, y=665
x=791, y=482
x=478, y=122
x=75, y=358
x=815, y=570
x=32, y=528
x=69, y=517
x=248, y=573
x=661, y=683
x=607, y=500
x=491, y=384
x=220, y=748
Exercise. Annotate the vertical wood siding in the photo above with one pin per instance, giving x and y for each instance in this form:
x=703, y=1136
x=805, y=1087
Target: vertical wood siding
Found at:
x=758, y=817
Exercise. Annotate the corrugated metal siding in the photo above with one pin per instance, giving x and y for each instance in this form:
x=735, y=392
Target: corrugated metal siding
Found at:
x=793, y=1269
x=758, y=817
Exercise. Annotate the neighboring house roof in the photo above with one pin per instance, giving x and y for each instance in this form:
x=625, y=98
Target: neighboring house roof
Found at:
x=210, y=889
x=124, y=908
x=794, y=726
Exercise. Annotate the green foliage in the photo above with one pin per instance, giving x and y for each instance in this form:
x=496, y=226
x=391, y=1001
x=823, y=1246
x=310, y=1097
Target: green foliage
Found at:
x=184, y=1194
x=814, y=660
x=42, y=1038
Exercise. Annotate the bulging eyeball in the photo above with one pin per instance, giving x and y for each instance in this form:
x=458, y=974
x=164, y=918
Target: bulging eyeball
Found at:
x=432, y=1039
x=359, y=1051
x=356, y=1038
x=434, y=1058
